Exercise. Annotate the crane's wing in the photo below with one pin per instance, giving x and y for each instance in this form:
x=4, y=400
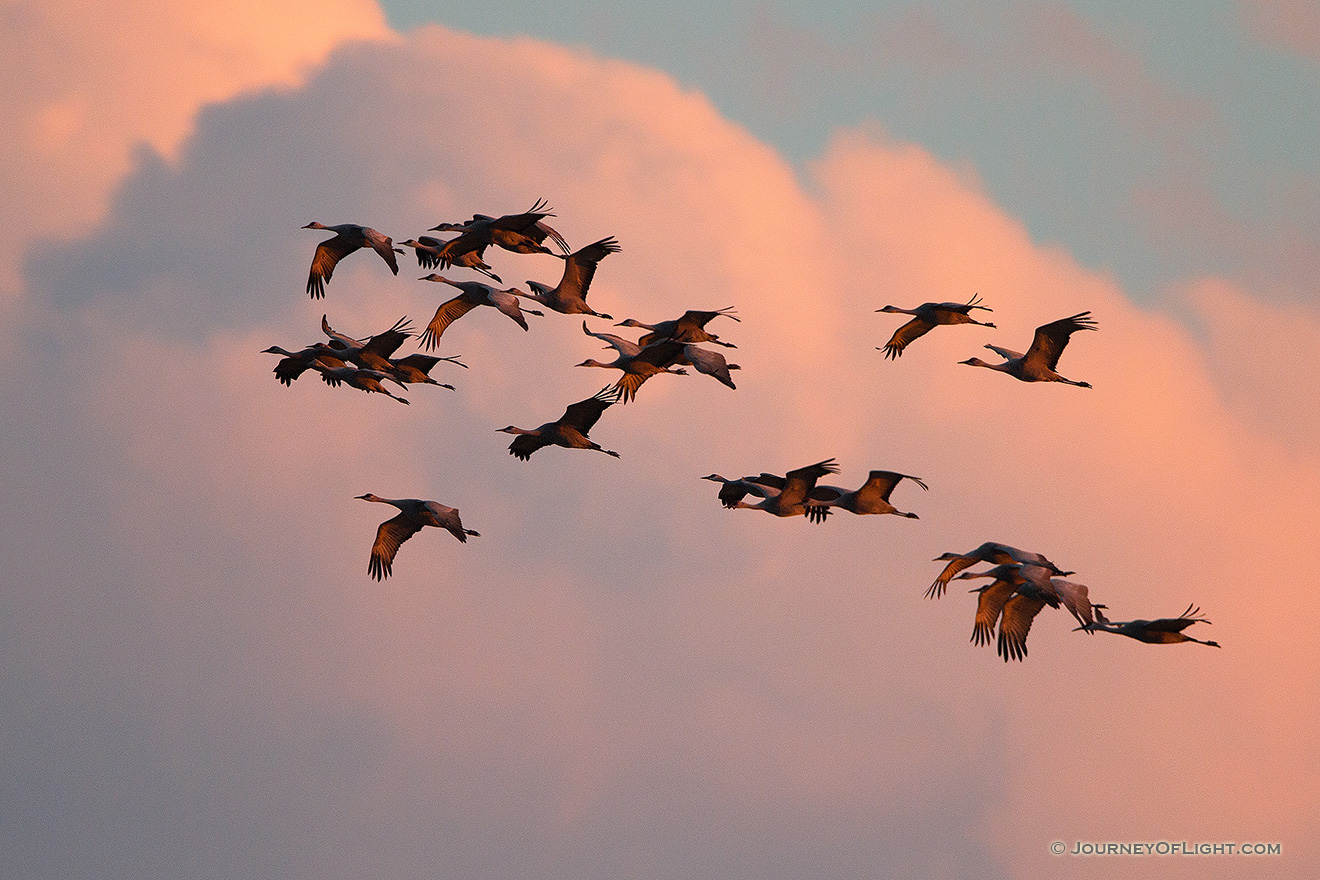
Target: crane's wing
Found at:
x=585, y=413
x=456, y=248
x=1179, y=623
x=880, y=483
x=328, y=254
x=618, y=343
x=343, y=339
x=383, y=245
x=799, y=483
x=1052, y=337
x=291, y=368
x=988, y=607
x=447, y=314
x=1007, y=354
x=524, y=445
x=580, y=266
x=904, y=335
x=655, y=358
x=712, y=363
x=389, y=536
x=1018, y=613
x=385, y=344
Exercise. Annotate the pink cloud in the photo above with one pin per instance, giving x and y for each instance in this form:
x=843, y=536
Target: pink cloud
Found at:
x=1289, y=24
x=91, y=90
x=620, y=673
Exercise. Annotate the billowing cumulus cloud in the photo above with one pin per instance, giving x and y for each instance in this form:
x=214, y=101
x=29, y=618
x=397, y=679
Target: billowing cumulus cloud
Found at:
x=618, y=677
x=88, y=81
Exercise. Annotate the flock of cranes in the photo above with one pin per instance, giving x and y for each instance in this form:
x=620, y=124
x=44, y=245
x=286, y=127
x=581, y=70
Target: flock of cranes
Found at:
x=1022, y=583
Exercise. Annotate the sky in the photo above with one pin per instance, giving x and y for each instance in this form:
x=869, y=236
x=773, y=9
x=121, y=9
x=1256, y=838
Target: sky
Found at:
x=619, y=678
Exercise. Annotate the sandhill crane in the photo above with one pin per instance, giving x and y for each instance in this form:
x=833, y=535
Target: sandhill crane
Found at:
x=927, y=317
x=871, y=497
x=414, y=514
x=1164, y=631
x=690, y=327
x=520, y=233
x=791, y=499
x=638, y=363
x=1075, y=597
x=374, y=353
x=429, y=256
x=1038, y=364
x=1015, y=621
x=712, y=363
x=348, y=238
x=990, y=551
x=991, y=601
x=366, y=380
x=415, y=368
x=294, y=363
x=733, y=491
x=569, y=430
x=569, y=297
x=474, y=293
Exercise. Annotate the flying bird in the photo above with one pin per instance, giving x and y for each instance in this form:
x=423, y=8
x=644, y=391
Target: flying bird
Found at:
x=690, y=327
x=1040, y=361
x=569, y=430
x=927, y=317
x=992, y=552
x=793, y=490
x=711, y=363
x=474, y=293
x=569, y=297
x=871, y=497
x=1164, y=631
x=348, y=238
x=430, y=250
x=414, y=514
x=637, y=362
x=294, y=363
x=520, y=233
x=365, y=380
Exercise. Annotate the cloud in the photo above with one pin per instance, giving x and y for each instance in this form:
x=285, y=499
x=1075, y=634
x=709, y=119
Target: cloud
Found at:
x=1288, y=24
x=87, y=90
x=618, y=676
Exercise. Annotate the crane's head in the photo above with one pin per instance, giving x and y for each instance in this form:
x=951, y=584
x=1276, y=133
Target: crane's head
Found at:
x=629, y=322
x=975, y=362
x=315, y=225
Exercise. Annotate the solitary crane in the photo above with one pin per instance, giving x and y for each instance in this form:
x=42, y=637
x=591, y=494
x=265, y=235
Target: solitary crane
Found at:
x=990, y=551
x=348, y=238
x=1164, y=631
x=927, y=317
x=474, y=293
x=414, y=514
x=569, y=297
x=871, y=497
x=569, y=430
x=1040, y=361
